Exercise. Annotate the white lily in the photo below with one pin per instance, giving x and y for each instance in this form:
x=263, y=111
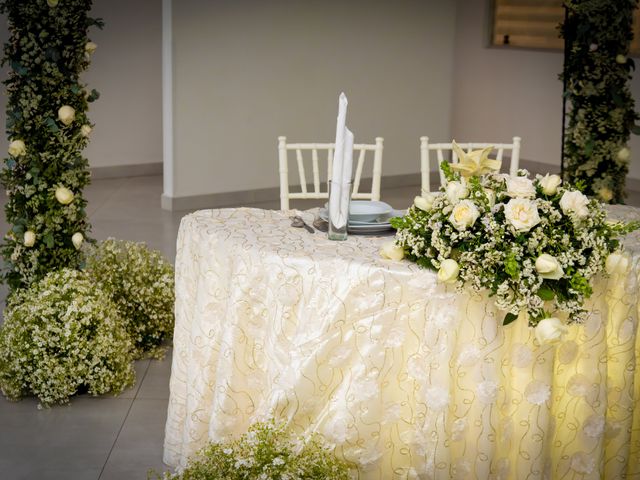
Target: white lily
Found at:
x=474, y=163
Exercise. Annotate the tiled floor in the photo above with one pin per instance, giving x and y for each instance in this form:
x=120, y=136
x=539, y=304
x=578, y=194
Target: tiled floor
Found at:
x=113, y=438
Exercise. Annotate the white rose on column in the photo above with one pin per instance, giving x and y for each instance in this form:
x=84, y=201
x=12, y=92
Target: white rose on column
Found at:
x=576, y=203
x=550, y=184
x=29, y=238
x=77, y=240
x=456, y=191
x=17, y=148
x=64, y=195
x=66, y=114
x=550, y=331
x=52, y=3
x=424, y=202
x=464, y=215
x=449, y=270
x=549, y=267
x=90, y=47
x=85, y=130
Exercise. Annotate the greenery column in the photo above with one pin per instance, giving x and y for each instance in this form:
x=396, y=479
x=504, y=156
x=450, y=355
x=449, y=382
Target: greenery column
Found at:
x=47, y=127
x=597, y=72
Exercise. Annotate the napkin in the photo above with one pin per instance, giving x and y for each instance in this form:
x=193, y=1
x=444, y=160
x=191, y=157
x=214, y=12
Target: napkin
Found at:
x=342, y=168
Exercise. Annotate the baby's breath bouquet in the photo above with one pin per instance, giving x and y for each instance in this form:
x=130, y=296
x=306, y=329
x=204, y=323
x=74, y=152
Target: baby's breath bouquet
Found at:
x=63, y=336
x=535, y=245
x=266, y=452
x=140, y=282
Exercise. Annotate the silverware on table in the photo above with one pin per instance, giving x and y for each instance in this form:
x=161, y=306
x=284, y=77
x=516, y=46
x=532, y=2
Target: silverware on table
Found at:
x=320, y=224
x=298, y=222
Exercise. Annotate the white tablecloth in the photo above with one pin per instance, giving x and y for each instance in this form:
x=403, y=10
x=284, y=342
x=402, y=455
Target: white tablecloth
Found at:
x=405, y=378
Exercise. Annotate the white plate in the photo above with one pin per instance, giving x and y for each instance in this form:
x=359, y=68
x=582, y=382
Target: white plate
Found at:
x=367, y=211
x=381, y=224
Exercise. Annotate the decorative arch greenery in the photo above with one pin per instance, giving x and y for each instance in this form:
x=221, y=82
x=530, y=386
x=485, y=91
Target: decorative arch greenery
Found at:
x=602, y=114
x=47, y=127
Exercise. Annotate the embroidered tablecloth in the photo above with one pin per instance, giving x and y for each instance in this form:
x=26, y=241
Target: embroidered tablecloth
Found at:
x=404, y=377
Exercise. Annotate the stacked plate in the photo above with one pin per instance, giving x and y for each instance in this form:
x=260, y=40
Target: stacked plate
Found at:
x=367, y=216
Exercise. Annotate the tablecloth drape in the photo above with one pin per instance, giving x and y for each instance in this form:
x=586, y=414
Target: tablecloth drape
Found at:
x=404, y=377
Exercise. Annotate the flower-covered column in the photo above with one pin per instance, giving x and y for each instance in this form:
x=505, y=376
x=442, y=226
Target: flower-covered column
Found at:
x=47, y=127
x=597, y=72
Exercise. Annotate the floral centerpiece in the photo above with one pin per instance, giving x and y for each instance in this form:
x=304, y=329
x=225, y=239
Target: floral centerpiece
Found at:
x=535, y=245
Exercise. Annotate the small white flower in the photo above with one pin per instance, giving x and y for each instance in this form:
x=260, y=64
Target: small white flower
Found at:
x=425, y=202
x=605, y=194
x=278, y=461
x=64, y=195
x=77, y=240
x=520, y=187
x=392, y=251
x=522, y=214
x=624, y=154
x=17, y=148
x=227, y=451
x=456, y=191
x=617, y=263
x=52, y=3
x=449, y=270
x=574, y=202
x=621, y=59
x=549, y=267
x=593, y=47
x=464, y=215
x=550, y=331
x=29, y=238
x=550, y=183
x=66, y=114
x=85, y=130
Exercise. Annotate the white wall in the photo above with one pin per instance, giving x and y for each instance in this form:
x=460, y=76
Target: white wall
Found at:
x=501, y=92
x=246, y=71
x=126, y=71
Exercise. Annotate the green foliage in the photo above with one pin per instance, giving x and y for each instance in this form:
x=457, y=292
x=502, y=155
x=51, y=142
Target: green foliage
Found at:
x=61, y=336
x=141, y=284
x=48, y=49
x=597, y=73
x=266, y=452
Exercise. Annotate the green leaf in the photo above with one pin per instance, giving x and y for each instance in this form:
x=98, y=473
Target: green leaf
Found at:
x=509, y=318
x=53, y=127
x=545, y=293
x=48, y=240
x=588, y=148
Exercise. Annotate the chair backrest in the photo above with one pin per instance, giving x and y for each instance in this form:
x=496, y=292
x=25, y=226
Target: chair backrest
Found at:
x=325, y=150
x=440, y=148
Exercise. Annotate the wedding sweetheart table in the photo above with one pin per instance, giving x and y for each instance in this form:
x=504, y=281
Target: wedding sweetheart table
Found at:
x=402, y=376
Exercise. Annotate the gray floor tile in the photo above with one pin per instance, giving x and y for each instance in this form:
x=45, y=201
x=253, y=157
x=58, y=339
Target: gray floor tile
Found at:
x=140, y=443
x=69, y=442
x=155, y=384
x=141, y=367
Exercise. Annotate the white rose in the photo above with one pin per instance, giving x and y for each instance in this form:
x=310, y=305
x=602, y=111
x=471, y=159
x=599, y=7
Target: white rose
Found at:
x=605, y=194
x=29, y=238
x=64, y=195
x=449, y=270
x=575, y=202
x=66, y=114
x=617, y=263
x=491, y=196
x=624, y=154
x=52, y=3
x=550, y=331
x=456, y=191
x=424, y=202
x=85, y=130
x=392, y=251
x=520, y=187
x=522, y=214
x=77, y=240
x=17, y=148
x=464, y=214
x=90, y=47
x=550, y=184
x=621, y=59
x=549, y=267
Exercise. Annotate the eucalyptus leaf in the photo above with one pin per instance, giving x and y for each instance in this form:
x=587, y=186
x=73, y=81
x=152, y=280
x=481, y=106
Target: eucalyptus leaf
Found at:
x=509, y=318
x=545, y=293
